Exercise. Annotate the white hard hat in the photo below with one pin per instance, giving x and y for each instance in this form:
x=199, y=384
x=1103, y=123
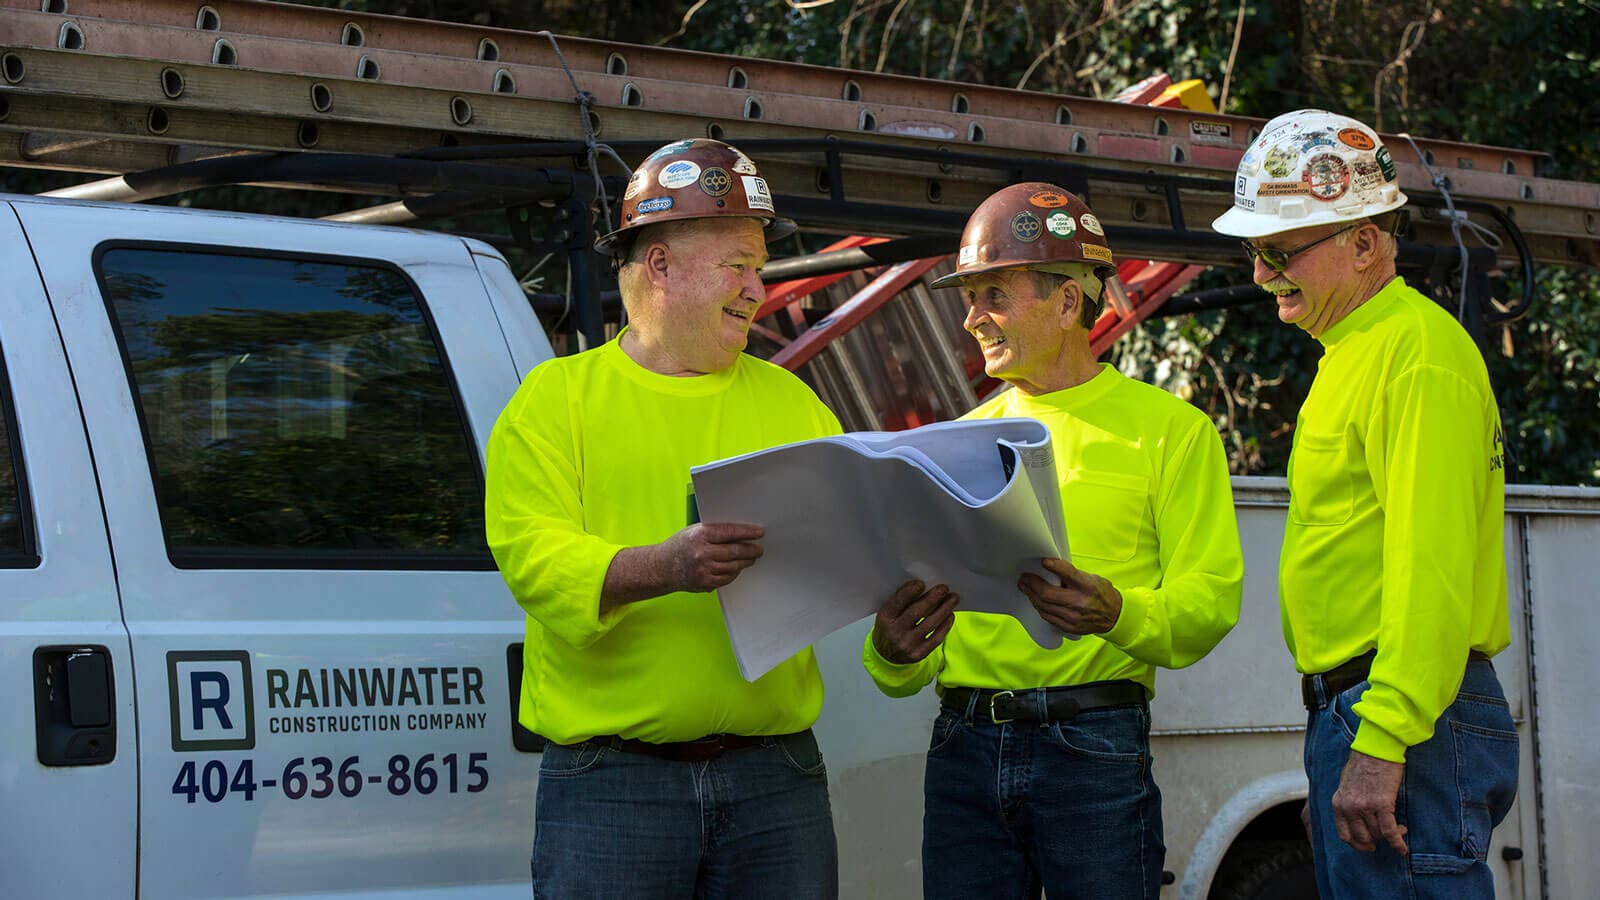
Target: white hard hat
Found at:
x=1310, y=167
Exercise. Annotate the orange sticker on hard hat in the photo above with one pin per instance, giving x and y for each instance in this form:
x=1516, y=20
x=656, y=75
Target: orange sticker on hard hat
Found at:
x=1355, y=137
x=1095, y=251
x=1048, y=199
x=1280, y=188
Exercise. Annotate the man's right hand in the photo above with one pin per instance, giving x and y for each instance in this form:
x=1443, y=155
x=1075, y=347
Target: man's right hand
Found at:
x=913, y=622
x=709, y=555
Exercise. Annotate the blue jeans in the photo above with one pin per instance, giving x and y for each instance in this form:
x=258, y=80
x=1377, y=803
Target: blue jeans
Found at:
x=1458, y=785
x=754, y=822
x=1069, y=807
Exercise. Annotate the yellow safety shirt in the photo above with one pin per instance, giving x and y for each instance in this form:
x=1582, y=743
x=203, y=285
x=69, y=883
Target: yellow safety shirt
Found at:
x=1396, y=515
x=592, y=455
x=1147, y=504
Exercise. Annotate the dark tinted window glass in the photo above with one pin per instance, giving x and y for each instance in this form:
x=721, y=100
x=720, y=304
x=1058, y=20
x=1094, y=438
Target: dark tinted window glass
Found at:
x=296, y=409
x=16, y=549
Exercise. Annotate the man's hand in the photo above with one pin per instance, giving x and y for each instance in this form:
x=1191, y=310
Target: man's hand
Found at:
x=1363, y=806
x=709, y=555
x=913, y=622
x=1082, y=604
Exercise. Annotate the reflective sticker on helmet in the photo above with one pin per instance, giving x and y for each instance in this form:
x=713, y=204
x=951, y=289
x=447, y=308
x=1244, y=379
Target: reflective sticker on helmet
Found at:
x=969, y=255
x=1025, y=227
x=672, y=148
x=756, y=194
x=1061, y=224
x=1386, y=163
x=635, y=185
x=1280, y=161
x=1048, y=199
x=1091, y=224
x=742, y=164
x=715, y=181
x=680, y=174
x=1280, y=188
x=1355, y=137
x=1326, y=177
x=654, y=205
x=1095, y=251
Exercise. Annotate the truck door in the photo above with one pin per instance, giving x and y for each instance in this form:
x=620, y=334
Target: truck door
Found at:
x=68, y=767
x=288, y=418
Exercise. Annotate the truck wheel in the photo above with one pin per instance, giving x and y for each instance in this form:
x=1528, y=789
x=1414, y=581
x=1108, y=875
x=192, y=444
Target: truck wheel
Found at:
x=1279, y=871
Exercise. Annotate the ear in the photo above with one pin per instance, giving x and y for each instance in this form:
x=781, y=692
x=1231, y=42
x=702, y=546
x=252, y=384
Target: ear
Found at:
x=1071, y=301
x=1366, y=246
x=656, y=260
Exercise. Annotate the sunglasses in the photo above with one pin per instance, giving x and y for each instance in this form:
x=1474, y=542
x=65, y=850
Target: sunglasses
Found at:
x=1277, y=260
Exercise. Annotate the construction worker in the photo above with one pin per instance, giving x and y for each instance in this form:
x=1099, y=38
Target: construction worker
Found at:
x=1038, y=771
x=1392, y=576
x=667, y=774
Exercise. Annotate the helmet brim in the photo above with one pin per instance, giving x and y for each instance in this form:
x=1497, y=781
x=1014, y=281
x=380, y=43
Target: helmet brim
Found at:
x=956, y=279
x=615, y=243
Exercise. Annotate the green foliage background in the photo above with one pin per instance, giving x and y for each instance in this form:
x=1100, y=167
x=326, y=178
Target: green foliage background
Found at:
x=1520, y=74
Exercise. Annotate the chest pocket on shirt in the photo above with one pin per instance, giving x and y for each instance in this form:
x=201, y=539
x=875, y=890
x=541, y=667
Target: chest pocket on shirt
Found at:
x=1320, y=492
x=1105, y=514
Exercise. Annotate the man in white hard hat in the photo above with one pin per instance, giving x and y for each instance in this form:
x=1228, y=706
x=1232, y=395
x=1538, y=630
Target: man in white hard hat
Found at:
x=667, y=774
x=1392, y=576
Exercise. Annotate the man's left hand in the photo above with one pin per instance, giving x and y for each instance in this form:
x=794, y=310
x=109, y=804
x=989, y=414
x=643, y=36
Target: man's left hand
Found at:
x=1363, y=806
x=1081, y=604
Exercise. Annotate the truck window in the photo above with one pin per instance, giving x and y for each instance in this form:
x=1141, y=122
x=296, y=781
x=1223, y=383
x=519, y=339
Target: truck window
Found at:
x=16, y=531
x=297, y=411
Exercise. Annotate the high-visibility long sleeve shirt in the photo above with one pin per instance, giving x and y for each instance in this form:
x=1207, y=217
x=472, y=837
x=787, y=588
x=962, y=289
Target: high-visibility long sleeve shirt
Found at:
x=1396, y=515
x=1148, y=505
x=592, y=455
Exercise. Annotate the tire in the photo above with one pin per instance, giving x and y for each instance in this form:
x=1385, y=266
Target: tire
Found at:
x=1280, y=870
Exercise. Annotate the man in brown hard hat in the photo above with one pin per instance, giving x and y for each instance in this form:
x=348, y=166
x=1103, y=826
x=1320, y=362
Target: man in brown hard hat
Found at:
x=667, y=774
x=1038, y=771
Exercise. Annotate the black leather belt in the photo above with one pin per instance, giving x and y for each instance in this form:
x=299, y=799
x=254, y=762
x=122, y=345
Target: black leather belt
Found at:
x=1044, y=705
x=707, y=748
x=1345, y=676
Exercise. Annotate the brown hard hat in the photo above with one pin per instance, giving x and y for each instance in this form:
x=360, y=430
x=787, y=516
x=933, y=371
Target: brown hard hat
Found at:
x=1035, y=225
x=697, y=178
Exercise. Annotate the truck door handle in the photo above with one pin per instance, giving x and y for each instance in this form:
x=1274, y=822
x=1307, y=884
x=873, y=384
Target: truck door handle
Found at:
x=74, y=706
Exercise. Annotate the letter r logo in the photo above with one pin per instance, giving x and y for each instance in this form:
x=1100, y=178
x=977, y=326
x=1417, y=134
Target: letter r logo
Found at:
x=212, y=700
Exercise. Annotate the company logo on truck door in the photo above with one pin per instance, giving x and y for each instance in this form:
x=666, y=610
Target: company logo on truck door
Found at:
x=212, y=702
x=383, y=698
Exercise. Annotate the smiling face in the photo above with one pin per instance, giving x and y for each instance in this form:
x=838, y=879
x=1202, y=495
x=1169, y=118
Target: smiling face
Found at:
x=702, y=278
x=1025, y=336
x=1311, y=291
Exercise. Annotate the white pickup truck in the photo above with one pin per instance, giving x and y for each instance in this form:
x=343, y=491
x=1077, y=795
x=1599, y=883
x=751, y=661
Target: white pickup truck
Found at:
x=246, y=605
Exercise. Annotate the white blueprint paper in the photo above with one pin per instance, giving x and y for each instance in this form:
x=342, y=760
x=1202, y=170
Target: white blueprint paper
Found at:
x=850, y=518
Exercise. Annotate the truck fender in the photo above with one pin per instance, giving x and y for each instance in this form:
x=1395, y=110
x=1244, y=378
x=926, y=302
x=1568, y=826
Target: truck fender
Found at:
x=1241, y=809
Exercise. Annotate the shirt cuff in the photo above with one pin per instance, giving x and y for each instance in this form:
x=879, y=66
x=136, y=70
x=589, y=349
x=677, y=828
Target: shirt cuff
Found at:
x=1375, y=742
x=1130, y=621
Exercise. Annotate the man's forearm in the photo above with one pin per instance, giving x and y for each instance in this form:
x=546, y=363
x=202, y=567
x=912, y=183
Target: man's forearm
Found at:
x=635, y=573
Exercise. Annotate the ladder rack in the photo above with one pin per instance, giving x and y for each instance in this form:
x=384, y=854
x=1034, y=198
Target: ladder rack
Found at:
x=123, y=86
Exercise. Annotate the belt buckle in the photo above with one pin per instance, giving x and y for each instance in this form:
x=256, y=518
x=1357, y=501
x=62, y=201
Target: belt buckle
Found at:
x=996, y=696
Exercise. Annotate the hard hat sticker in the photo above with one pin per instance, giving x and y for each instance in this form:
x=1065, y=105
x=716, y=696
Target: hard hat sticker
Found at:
x=756, y=194
x=1315, y=139
x=1366, y=175
x=680, y=174
x=654, y=205
x=1326, y=177
x=1386, y=163
x=715, y=181
x=1280, y=161
x=1091, y=224
x=1048, y=199
x=969, y=255
x=635, y=184
x=1025, y=227
x=1061, y=224
x=1095, y=251
x=1280, y=188
x=742, y=164
x=1355, y=137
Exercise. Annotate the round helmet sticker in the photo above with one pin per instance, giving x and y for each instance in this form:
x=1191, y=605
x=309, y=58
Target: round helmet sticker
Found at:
x=1025, y=227
x=1280, y=161
x=1061, y=224
x=680, y=174
x=715, y=181
x=1048, y=199
x=1091, y=224
x=1355, y=137
x=1326, y=177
